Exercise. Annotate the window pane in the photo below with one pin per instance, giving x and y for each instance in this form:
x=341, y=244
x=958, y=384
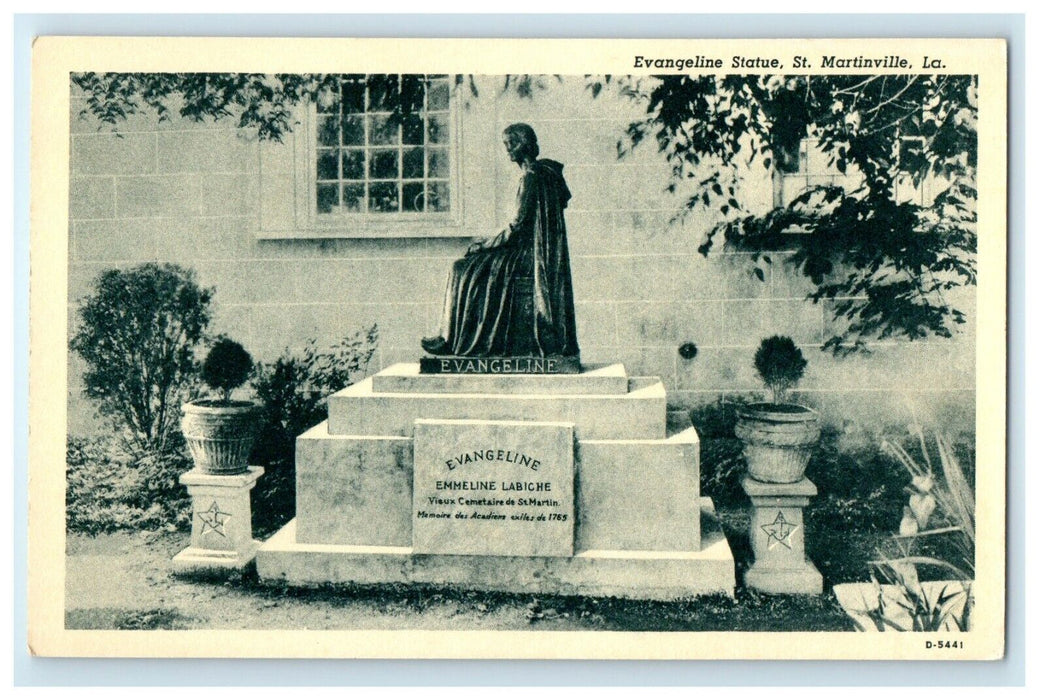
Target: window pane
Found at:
x=439, y=196
x=327, y=131
x=384, y=164
x=413, y=196
x=352, y=94
x=352, y=197
x=414, y=162
x=352, y=164
x=439, y=163
x=383, y=92
x=439, y=95
x=327, y=102
x=326, y=198
x=439, y=129
x=384, y=196
x=412, y=93
x=413, y=129
x=352, y=130
x=383, y=130
x=911, y=156
x=326, y=164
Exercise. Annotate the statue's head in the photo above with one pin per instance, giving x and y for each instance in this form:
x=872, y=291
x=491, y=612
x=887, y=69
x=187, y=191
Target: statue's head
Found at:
x=521, y=142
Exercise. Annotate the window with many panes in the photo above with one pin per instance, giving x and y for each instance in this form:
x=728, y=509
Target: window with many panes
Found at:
x=808, y=167
x=384, y=146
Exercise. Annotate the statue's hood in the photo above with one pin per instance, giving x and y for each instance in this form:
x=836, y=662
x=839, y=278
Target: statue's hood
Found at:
x=552, y=165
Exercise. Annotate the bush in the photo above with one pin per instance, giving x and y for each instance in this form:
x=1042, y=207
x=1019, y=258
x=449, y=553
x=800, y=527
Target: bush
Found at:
x=108, y=489
x=293, y=391
x=859, y=487
x=138, y=332
x=226, y=367
x=780, y=365
x=722, y=460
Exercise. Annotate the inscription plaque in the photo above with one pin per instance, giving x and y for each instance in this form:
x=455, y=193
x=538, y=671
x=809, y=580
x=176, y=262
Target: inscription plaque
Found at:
x=494, y=488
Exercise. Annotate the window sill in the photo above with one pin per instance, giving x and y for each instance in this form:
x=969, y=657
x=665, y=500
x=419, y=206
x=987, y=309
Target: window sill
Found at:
x=430, y=230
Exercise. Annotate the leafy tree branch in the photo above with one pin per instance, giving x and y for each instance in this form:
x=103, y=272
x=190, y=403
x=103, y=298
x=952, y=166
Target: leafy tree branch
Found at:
x=886, y=264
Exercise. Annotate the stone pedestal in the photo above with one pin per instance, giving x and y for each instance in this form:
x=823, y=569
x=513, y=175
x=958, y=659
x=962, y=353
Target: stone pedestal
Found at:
x=571, y=484
x=221, y=521
x=778, y=538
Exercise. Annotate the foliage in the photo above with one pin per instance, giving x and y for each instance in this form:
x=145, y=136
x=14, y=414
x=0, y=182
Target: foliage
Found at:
x=940, y=507
x=137, y=332
x=937, y=532
x=259, y=102
x=226, y=367
x=780, y=365
x=108, y=489
x=859, y=488
x=293, y=391
x=887, y=263
x=722, y=460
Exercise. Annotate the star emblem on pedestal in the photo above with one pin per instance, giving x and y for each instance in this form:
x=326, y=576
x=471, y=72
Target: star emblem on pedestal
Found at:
x=779, y=532
x=213, y=519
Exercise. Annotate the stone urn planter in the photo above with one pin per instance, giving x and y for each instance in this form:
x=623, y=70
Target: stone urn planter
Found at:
x=220, y=434
x=220, y=431
x=778, y=440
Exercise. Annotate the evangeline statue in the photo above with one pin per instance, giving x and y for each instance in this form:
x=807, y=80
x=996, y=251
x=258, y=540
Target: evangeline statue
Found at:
x=511, y=295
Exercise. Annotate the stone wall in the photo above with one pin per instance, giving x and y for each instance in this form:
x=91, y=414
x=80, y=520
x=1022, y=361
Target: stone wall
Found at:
x=198, y=194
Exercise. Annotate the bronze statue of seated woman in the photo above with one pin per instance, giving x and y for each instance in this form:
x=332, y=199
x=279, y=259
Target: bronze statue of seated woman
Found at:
x=511, y=295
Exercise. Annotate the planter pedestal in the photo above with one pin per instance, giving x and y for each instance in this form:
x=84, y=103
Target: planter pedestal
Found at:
x=778, y=538
x=221, y=521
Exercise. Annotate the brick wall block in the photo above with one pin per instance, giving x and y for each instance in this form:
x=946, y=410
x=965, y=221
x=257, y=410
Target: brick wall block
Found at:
x=596, y=324
x=113, y=240
x=669, y=323
x=344, y=281
x=229, y=195
x=748, y=321
x=113, y=154
x=158, y=195
x=601, y=279
x=198, y=151
x=423, y=280
x=218, y=238
x=92, y=198
x=718, y=369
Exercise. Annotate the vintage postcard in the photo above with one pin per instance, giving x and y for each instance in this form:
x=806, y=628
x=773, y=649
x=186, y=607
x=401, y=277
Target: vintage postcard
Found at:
x=622, y=349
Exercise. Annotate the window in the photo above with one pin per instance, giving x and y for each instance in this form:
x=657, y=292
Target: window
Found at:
x=806, y=168
x=809, y=167
x=384, y=146
x=911, y=161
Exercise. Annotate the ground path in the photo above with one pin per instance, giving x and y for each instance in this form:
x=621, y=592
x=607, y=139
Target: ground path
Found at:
x=124, y=581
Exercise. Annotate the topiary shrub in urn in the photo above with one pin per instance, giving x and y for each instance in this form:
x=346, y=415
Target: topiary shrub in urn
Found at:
x=219, y=430
x=778, y=437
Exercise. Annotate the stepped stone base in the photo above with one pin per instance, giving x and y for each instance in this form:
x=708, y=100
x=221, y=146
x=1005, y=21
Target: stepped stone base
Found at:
x=637, y=574
x=560, y=484
x=640, y=413
x=640, y=494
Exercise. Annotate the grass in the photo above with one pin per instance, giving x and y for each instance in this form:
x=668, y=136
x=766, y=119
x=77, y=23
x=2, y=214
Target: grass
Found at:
x=153, y=598
x=121, y=619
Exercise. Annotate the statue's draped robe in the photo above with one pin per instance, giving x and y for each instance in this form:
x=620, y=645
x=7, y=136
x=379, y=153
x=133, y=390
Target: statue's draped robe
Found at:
x=515, y=297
